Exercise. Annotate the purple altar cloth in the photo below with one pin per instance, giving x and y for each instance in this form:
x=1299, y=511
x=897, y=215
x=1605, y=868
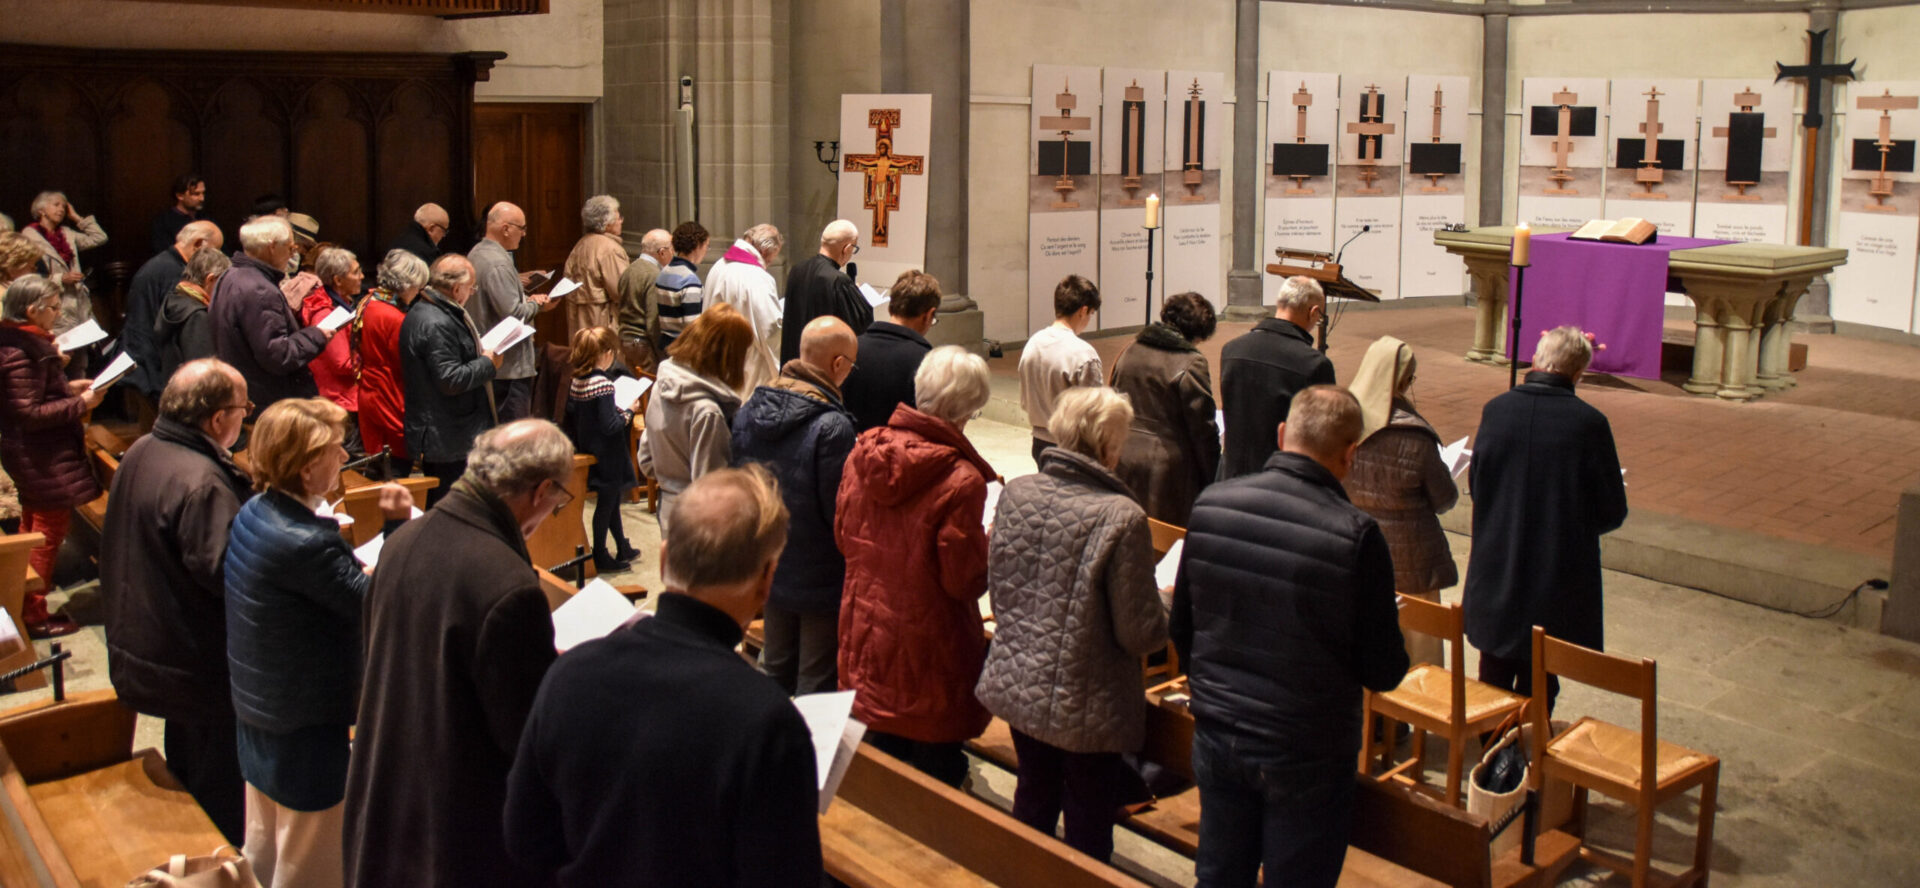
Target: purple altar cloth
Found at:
x=1617, y=292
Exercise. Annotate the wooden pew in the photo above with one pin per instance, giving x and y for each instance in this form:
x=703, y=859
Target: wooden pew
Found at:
x=16, y=580
x=360, y=500
x=104, y=449
x=894, y=826
x=80, y=807
x=558, y=536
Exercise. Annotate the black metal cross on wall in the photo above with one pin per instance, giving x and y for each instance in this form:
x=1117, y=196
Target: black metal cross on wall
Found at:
x=1815, y=70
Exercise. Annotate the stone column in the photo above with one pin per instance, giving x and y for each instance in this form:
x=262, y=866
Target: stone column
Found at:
x=1709, y=341
x=934, y=54
x=1489, y=275
x=1776, y=343
x=1738, y=321
x=1493, y=118
x=1243, y=279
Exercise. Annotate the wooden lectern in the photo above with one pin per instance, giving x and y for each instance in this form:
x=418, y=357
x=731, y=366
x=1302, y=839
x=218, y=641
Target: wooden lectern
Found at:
x=1324, y=268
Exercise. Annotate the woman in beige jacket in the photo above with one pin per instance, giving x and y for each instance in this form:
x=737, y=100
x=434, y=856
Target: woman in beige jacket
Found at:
x=62, y=234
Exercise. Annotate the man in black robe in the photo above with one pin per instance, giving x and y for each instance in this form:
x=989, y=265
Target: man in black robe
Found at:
x=819, y=286
x=423, y=235
x=656, y=755
x=1261, y=371
x=1546, y=484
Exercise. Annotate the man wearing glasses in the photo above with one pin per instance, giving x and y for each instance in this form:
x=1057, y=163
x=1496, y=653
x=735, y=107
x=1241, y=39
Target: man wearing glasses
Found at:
x=162, y=547
x=503, y=294
x=821, y=286
x=423, y=235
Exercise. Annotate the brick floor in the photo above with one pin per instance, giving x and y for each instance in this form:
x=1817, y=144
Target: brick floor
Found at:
x=1822, y=463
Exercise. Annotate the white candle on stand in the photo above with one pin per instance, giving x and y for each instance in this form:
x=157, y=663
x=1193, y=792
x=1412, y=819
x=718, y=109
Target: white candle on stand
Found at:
x=1522, y=244
x=1153, y=211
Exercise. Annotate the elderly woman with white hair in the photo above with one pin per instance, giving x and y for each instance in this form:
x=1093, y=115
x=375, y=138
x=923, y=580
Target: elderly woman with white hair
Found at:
x=908, y=520
x=1071, y=574
x=1546, y=485
x=375, y=339
x=596, y=264
x=42, y=433
x=336, y=370
x=62, y=234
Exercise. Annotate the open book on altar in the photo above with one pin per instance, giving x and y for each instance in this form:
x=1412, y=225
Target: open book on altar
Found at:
x=1624, y=231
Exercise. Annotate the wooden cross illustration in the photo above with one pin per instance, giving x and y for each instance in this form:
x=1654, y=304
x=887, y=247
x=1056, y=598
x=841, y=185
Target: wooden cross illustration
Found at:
x=1372, y=130
x=1561, y=174
x=1302, y=100
x=1650, y=176
x=1746, y=100
x=1813, y=72
x=1066, y=124
x=1886, y=103
x=1433, y=185
x=883, y=169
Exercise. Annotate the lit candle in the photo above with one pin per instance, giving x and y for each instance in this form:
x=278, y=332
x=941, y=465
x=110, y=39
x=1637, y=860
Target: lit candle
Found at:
x=1153, y=211
x=1522, y=244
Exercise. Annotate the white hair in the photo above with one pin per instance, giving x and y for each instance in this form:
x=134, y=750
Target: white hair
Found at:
x=25, y=292
x=401, y=271
x=657, y=241
x=263, y=233
x=1563, y=350
x=766, y=239
x=450, y=271
x=512, y=459
x=332, y=263
x=599, y=212
x=44, y=200
x=839, y=231
x=6, y=224
x=1091, y=420
x=951, y=384
x=195, y=231
x=1297, y=293
x=427, y=214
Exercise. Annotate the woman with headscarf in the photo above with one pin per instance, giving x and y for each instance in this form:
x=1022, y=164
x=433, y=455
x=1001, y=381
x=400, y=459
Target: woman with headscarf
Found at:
x=1400, y=479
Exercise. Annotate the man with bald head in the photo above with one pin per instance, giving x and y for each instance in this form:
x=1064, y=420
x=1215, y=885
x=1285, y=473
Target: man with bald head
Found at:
x=163, y=545
x=149, y=289
x=799, y=427
x=1283, y=610
x=423, y=235
x=823, y=285
x=502, y=293
x=638, y=313
x=445, y=374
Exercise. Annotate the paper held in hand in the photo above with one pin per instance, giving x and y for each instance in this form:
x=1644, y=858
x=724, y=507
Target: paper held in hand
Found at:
x=369, y=551
x=1457, y=457
x=875, y=298
x=994, y=489
x=836, y=737
x=628, y=389
x=80, y=337
x=566, y=285
x=335, y=319
x=1168, y=569
x=592, y=612
x=115, y=369
x=505, y=335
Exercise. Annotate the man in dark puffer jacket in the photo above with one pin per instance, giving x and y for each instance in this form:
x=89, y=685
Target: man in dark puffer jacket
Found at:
x=162, y=550
x=1283, y=611
x=798, y=426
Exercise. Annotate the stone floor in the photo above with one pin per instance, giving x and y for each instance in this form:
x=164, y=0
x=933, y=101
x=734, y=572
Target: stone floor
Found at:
x=1815, y=723
x=1821, y=463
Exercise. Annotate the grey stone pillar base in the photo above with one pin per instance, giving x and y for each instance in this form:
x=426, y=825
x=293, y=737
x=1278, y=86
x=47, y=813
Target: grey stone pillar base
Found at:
x=1244, y=297
x=966, y=328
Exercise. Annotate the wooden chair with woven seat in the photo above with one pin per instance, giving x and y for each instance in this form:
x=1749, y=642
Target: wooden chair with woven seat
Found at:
x=1155, y=668
x=1434, y=699
x=1636, y=767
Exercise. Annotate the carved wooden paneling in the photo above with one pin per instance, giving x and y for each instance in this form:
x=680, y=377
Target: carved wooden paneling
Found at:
x=446, y=8
x=356, y=140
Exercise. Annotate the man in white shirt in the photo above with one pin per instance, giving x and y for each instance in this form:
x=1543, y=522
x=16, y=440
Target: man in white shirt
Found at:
x=1056, y=358
x=741, y=279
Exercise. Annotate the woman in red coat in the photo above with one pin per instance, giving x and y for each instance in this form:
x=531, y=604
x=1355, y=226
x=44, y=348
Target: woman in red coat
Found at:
x=42, y=433
x=376, y=340
x=908, y=521
x=336, y=369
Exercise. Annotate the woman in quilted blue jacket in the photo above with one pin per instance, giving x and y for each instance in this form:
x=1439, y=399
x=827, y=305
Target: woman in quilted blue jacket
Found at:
x=293, y=642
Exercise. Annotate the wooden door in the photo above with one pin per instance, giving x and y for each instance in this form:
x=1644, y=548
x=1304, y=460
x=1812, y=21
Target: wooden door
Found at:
x=534, y=155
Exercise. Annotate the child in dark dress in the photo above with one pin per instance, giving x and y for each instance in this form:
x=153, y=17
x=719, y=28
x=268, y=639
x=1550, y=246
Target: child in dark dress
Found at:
x=599, y=428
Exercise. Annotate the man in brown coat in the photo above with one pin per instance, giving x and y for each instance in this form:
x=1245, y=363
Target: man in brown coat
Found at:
x=455, y=650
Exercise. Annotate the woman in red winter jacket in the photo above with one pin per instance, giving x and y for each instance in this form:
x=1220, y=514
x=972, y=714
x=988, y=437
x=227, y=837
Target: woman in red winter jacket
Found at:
x=908, y=521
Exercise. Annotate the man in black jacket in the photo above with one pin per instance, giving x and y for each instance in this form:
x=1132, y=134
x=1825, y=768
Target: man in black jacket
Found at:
x=1260, y=371
x=656, y=756
x=1546, y=485
x=1284, y=611
x=818, y=286
x=457, y=638
x=162, y=548
x=253, y=327
x=447, y=376
x=891, y=351
x=423, y=235
x=148, y=291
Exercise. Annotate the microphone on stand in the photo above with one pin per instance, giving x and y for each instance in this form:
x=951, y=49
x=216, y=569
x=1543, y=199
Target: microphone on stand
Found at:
x=1343, y=247
x=853, y=272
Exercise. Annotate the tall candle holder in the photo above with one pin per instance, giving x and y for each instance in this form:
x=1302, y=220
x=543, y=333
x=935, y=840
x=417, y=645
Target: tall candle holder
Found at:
x=1521, y=258
x=1150, y=229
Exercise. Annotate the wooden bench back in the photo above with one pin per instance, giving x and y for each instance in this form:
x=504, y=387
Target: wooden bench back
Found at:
x=1164, y=536
x=1437, y=841
x=977, y=836
x=14, y=551
x=50, y=741
x=1627, y=676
